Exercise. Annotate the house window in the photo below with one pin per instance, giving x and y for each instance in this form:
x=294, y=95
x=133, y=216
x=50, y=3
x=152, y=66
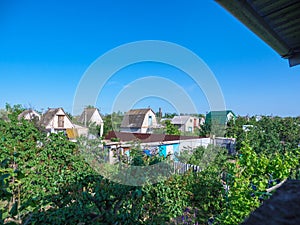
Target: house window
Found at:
x=190, y=129
x=150, y=121
x=61, y=121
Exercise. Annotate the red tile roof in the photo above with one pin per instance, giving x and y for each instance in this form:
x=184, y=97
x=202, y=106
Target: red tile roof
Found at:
x=146, y=138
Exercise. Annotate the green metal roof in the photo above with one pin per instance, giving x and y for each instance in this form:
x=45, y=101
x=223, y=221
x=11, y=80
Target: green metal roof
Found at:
x=218, y=117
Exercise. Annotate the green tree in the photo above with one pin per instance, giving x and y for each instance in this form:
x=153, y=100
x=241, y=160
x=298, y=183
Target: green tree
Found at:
x=171, y=128
x=250, y=177
x=112, y=122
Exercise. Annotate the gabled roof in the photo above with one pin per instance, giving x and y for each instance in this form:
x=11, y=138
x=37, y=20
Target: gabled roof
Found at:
x=220, y=113
x=87, y=114
x=180, y=119
x=25, y=112
x=48, y=116
x=219, y=117
x=134, y=118
x=275, y=22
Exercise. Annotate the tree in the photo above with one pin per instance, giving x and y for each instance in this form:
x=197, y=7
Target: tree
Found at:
x=47, y=180
x=171, y=128
x=107, y=120
x=250, y=177
x=170, y=115
x=48, y=163
x=268, y=135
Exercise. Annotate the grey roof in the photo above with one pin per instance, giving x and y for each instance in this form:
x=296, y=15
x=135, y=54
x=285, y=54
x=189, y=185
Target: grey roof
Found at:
x=27, y=111
x=275, y=22
x=180, y=119
x=48, y=116
x=87, y=114
x=134, y=118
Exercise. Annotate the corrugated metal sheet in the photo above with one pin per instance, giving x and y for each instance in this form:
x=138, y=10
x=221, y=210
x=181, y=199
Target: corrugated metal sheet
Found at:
x=72, y=133
x=276, y=22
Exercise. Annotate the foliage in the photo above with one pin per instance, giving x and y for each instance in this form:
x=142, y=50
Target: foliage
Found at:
x=170, y=115
x=38, y=167
x=3, y=114
x=112, y=122
x=50, y=180
x=171, y=128
x=94, y=129
x=202, y=156
x=213, y=128
x=267, y=135
x=249, y=177
x=70, y=116
x=90, y=107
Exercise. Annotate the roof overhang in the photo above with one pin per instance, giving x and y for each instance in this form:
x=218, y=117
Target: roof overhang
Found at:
x=276, y=22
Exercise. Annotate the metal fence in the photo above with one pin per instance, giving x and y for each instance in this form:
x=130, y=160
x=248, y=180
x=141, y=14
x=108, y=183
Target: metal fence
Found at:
x=181, y=168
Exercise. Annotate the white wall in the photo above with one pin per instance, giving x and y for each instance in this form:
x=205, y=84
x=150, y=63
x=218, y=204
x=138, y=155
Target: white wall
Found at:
x=53, y=124
x=82, y=131
x=145, y=124
x=230, y=116
x=194, y=143
x=189, y=123
x=96, y=118
x=31, y=115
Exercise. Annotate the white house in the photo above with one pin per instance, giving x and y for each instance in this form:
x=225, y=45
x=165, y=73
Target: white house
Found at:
x=139, y=121
x=55, y=120
x=185, y=123
x=29, y=114
x=91, y=116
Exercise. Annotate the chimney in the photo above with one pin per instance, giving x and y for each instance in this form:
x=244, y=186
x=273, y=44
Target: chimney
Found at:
x=159, y=112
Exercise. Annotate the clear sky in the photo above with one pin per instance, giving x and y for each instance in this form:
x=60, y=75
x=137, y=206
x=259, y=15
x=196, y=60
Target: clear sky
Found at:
x=46, y=46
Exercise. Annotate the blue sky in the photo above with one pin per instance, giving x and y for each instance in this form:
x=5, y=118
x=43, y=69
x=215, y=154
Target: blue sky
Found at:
x=46, y=46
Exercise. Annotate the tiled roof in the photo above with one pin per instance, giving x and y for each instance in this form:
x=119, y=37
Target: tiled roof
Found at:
x=146, y=138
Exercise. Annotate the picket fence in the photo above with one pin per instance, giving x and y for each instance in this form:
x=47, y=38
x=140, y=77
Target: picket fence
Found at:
x=181, y=168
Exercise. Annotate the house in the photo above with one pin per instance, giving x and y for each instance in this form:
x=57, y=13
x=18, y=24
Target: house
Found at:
x=164, y=144
x=139, y=121
x=151, y=143
x=219, y=117
x=185, y=123
x=55, y=120
x=247, y=128
x=91, y=116
x=29, y=114
x=201, y=121
x=4, y=115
